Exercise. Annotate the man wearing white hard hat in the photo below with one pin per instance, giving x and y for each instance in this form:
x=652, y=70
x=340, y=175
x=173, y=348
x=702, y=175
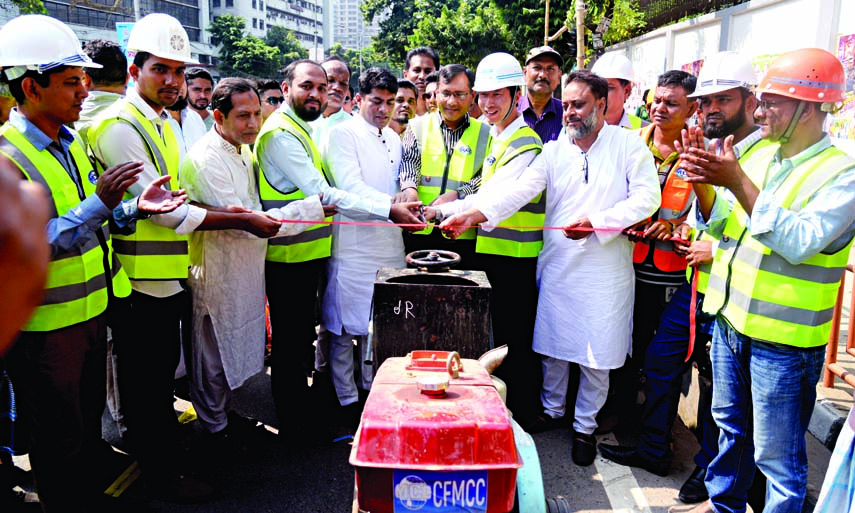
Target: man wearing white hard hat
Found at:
x=508, y=254
x=156, y=254
x=57, y=365
x=727, y=103
x=617, y=69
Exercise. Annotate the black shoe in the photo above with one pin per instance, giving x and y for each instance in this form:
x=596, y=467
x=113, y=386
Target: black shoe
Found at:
x=694, y=490
x=630, y=457
x=544, y=422
x=584, y=449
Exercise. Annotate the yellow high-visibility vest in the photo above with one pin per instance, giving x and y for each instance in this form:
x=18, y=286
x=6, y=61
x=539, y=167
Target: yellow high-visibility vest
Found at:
x=441, y=172
x=316, y=241
x=756, y=290
x=152, y=252
x=77, y=280
x=506, y=239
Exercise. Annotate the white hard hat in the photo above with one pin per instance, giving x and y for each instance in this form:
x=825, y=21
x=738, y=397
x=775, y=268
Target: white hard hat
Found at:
x=39, y=43
x=161, y=35
x=723, y=71
x=614, y=65
x=496, y=71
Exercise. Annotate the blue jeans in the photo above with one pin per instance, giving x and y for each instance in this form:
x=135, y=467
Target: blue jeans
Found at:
x=664, y=368
x=762, y=402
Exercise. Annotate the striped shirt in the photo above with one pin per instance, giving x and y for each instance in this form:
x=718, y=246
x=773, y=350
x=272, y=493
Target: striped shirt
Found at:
x=409, y=174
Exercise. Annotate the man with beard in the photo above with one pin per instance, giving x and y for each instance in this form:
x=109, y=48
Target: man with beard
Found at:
x=599, y=179
x=186, y=124
x=227, y=267
x=659, y=270
x=405, y=106
x=338, y=88
x=541, y=111
x=727, y=104
x=420, y=63
x=147, y=331
x=200, y=84
x=292, y=168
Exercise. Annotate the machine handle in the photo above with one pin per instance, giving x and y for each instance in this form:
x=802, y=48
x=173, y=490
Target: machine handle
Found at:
x=453, y=364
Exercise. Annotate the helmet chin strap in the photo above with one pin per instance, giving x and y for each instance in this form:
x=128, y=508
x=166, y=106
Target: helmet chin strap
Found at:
x=785, y=137
x=513, y=104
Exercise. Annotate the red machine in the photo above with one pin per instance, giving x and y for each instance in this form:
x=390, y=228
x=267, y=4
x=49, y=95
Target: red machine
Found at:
x=435, y=437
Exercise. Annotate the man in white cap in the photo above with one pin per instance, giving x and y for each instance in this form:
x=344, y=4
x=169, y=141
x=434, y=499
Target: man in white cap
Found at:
x=57, y=365
x=506, y=253
x=617, y=69
x=156, y=254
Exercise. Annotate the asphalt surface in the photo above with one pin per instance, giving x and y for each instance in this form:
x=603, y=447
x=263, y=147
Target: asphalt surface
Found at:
x=294, y=476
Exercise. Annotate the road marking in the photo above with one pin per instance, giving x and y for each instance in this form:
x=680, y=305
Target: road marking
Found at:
x=124, y=481
x=625, y=496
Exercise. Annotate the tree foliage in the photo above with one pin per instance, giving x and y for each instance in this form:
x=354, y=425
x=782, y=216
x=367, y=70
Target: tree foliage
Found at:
x=242, y=54
x=463, y=35
x=30, y=6
x=466, y=30
x=290, y=48
x=358, y=61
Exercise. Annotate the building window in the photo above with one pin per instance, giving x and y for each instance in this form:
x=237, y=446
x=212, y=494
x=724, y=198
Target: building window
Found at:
x=261, y=4
x=254, y=4
x=230, y=3
x=261, y=24
x=216, y=3
x=255, y=23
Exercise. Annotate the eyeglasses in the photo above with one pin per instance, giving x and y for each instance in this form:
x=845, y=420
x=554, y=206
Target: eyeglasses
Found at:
x=428, y=96
x=458, y=95
x=774, y=105
x=275, y=100
x=585, y=166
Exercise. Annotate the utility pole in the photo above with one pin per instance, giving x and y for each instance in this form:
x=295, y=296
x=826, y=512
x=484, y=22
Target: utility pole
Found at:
x=581, y=8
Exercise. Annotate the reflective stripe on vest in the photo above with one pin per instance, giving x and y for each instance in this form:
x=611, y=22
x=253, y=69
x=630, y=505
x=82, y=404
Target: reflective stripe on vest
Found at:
x=761, y=294
x=315, y=242
x=76, y=288
x=676, y=200
x=152, y=252
x=504, y=240
x=441, y=172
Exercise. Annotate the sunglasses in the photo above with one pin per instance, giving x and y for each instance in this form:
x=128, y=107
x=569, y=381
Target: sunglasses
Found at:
x=428, y=96
x=275, y=100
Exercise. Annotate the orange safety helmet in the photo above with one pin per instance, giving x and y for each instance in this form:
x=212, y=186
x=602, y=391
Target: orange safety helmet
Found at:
x=809, y=74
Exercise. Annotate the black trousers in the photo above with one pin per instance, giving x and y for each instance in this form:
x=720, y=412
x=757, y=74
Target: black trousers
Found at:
x=147, y=344
x=292, y=292
x=60, y=381
x=513, y=308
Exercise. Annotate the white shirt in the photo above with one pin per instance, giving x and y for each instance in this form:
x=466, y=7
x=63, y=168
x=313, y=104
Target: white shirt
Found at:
x=363, y=161
x=120, y=142
x=191, y=129
x=507, y=173
x=584, y=311
x=322, y=127
x=227, y=266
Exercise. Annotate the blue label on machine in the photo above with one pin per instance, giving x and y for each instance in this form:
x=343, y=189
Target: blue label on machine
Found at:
x=440, y=492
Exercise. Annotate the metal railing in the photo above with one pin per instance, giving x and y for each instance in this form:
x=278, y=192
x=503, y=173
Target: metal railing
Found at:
x=832, y=368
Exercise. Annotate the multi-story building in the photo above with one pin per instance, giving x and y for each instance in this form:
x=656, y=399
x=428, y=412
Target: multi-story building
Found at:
x=349, y=27
x=96, y=19
x=304, y=17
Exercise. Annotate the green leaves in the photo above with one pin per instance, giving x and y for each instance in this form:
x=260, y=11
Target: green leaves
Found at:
x=290, y=48
x=240, y=53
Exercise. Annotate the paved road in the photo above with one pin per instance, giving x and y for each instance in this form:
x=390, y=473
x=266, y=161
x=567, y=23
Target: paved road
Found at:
x=289, y=476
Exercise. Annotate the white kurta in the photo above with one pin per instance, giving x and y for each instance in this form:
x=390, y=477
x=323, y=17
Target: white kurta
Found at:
x=364, y=161
x=584, y=312
x=227, y=266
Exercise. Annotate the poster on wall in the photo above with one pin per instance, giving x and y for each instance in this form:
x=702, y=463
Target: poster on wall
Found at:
x=693, y=67
x=123, y=33
x=841, y=125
